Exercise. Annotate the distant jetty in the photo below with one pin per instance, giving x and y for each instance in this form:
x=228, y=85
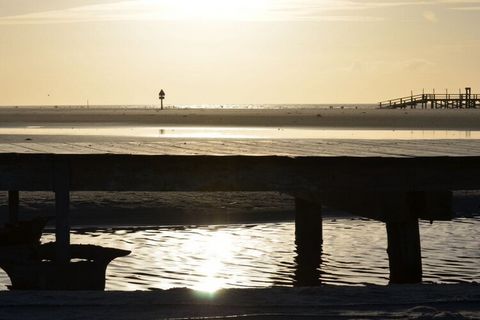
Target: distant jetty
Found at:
x=466, y=100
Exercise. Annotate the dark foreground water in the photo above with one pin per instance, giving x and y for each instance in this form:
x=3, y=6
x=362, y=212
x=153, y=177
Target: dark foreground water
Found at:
x=263, y=255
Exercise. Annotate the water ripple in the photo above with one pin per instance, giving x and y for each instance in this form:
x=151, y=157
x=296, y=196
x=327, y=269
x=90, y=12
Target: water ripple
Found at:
x=263, y=255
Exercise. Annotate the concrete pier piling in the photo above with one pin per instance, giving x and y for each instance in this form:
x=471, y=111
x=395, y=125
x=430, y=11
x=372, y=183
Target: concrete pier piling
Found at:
x=308, y=223
x=404, y=252
x=308, y=240
x=62, y=207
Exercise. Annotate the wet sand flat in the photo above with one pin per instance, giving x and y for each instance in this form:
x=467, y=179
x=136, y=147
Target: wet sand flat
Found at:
x=328, y=118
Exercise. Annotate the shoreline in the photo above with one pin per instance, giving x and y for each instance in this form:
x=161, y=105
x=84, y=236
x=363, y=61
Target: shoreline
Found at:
x=407, y=119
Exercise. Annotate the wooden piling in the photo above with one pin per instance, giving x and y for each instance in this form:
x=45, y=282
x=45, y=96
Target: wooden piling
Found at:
x=308, y=239
x=308, y=223
x=404, y=252
x=13, y=206
x=62, y=207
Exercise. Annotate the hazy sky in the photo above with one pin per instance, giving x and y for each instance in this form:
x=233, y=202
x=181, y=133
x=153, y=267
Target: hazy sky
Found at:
x=234, y=51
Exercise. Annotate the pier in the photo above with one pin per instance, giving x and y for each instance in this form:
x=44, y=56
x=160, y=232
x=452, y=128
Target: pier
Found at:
x=395, y=182
x=466, y=100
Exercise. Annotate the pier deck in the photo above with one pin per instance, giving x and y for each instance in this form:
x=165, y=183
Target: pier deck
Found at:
x=255, y=147
x=393, y=181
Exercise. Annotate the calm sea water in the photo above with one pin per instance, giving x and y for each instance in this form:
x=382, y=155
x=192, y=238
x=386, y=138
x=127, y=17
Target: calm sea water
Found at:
x=263, y=255
x=214, y=132
x=220, y=106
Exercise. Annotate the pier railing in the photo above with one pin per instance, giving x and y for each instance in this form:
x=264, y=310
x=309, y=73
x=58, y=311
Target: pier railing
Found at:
x=444, y=100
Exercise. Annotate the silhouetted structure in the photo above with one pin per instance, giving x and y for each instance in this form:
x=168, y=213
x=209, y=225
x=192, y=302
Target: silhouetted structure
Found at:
x=434, y=100
x=308, y=242
x=385, y=182
x=39, y=269
x=32, y=266
x=161, y=96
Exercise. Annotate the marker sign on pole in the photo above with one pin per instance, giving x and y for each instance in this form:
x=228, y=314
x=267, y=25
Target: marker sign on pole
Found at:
x=161, y=96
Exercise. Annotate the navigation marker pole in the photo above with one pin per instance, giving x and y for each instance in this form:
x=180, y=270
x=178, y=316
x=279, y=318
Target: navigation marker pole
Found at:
x=161, y=96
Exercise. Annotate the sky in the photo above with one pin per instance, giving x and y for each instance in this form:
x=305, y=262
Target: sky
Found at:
x=64, y=52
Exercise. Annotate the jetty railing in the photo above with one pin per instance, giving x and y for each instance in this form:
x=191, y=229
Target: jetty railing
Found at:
x=434, y=101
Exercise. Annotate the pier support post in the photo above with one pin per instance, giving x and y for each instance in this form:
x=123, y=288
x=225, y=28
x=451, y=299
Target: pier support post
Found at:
x=62, y=207
x=308, y=240
x=13, y=206
x=404, y=251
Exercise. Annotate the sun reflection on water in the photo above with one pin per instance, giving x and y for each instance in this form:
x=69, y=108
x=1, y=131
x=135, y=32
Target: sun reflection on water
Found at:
x=211, y=258
x=216, y=250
